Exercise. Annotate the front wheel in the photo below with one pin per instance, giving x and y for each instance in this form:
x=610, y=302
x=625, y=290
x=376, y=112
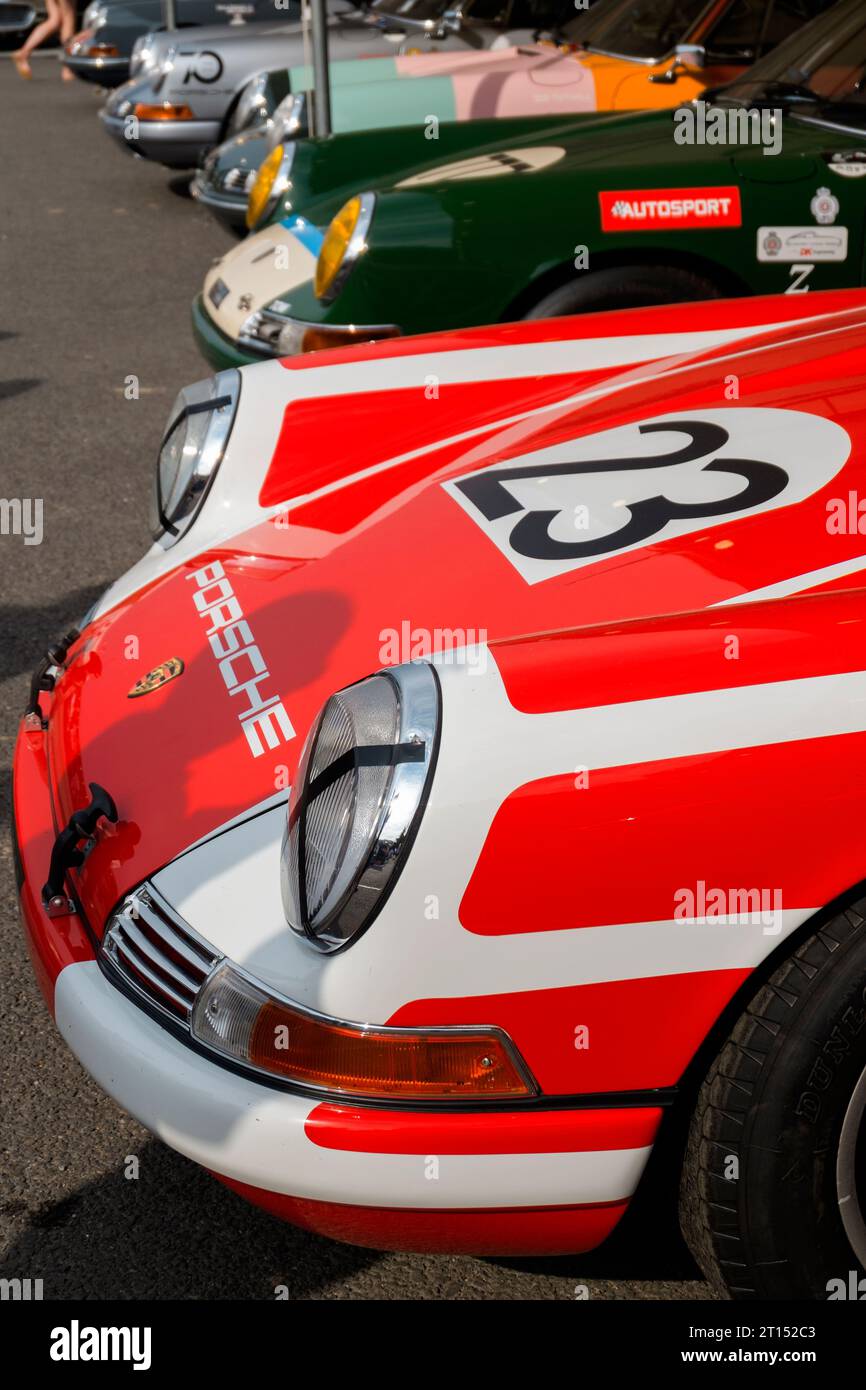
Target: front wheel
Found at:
x=773, y=1194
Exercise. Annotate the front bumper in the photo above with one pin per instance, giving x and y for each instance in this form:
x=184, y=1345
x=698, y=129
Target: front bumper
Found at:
x=177, y=144
x=229, y=210
x=222, y=352
x=519, y=1181
x=106, y=72
x=214, y=346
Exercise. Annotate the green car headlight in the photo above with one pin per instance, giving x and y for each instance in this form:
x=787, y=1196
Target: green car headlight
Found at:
x=345, y=241
x=271, y=182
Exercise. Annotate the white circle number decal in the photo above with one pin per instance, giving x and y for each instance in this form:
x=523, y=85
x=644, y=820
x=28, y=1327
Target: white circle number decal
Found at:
x=601, y=495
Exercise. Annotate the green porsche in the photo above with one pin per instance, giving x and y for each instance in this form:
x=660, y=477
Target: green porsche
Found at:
x=760, y=188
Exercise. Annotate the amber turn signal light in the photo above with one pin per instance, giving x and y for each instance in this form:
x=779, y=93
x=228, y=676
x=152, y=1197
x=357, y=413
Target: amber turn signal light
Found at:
x=164, y=112
x=317, y=339
x=235, y=1016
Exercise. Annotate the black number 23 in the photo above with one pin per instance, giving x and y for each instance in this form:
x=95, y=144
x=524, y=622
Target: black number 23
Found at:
x=531, y=535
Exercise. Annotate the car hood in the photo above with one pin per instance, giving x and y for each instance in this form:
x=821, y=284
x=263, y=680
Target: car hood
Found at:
x=641, y=143
x=202, y=35
x=386, y=530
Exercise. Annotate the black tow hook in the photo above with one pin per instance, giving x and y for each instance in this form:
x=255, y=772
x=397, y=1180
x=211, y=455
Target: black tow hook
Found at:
x=40, y=680
x=66, y=855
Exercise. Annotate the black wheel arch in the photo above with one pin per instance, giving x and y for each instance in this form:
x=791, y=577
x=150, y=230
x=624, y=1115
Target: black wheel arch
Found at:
x=727, y=282
x=658, y=1189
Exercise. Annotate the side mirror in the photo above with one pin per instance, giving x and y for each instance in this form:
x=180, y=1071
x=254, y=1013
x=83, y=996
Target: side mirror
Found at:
x=693, y=55
x=686, y=55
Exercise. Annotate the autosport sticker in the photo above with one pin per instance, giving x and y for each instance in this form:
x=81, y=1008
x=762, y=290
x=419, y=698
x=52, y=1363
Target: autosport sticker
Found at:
x=802, y=243
x=556, y=510
x=489, y=166
x=660, y=209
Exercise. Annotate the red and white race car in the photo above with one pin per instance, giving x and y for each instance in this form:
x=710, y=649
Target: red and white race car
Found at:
x=568, y=619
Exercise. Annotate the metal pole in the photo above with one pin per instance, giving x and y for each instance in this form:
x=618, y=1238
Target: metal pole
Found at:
x=169, y=13
x=321, y=77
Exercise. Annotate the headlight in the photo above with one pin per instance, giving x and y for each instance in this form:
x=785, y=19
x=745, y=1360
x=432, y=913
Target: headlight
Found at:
x=192, y=448
x=345, y=240
x=359, y=798
x=289, y=121
x=271, y=183
x=252, y=105
x=94, y=15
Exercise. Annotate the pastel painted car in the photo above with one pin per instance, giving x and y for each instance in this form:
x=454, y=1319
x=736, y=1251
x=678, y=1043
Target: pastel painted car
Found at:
x=194, y=89
x=487, y=784
x=628, y=56
x=538, y=217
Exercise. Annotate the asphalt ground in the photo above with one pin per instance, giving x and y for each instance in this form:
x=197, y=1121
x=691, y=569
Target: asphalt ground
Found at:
x=100, y=256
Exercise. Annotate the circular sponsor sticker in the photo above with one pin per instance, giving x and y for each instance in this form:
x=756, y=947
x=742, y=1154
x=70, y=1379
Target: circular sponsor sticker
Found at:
x=848, y=164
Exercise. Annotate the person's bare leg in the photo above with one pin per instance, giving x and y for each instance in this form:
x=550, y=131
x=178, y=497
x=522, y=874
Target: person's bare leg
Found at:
x=36, y=37
x=67, y=29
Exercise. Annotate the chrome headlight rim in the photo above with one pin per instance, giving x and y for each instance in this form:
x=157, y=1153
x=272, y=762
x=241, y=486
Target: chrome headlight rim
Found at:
x=355, y=248
x=94, y=14
x=166, y=63
x=412, y=760
x=288, y=121
x=251, y=107
x=280, y=185
x=217, y=396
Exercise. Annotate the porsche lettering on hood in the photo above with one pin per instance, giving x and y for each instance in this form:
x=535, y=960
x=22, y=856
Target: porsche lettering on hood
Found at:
x=263, y=718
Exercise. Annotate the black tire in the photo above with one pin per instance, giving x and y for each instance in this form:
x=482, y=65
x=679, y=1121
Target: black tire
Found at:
x=623, y=287
x=775, y=1100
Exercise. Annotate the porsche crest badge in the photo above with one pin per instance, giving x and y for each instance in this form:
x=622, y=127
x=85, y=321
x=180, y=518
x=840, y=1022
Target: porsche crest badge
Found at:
x=160, y=675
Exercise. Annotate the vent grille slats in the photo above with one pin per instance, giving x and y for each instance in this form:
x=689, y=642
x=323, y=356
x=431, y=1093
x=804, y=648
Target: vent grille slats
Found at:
x=157, y=954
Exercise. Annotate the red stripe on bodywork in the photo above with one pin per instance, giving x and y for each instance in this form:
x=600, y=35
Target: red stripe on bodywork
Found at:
x=619, y=323
x=815, y=635
x=327, y=434
x=362, y=1130
x=620, y=848
x=503, y=1231
x=641, y=1034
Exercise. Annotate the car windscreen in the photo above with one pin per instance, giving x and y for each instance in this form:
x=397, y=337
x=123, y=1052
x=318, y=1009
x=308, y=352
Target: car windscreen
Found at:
x=417, y=10
x=822, y=66
x=642, y=29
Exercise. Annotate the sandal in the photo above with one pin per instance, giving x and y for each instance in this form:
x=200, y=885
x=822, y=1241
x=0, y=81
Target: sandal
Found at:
x=22, y=66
